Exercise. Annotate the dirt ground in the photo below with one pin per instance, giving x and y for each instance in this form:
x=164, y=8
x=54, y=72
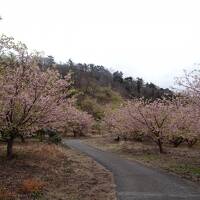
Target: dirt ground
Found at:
x=50, y=172
x=182, y=161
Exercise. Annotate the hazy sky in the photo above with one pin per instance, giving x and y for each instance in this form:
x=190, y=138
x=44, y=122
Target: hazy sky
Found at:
x=153, y=39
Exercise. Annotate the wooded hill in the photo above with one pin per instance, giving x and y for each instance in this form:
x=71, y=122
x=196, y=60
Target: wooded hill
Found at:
x=96, y=86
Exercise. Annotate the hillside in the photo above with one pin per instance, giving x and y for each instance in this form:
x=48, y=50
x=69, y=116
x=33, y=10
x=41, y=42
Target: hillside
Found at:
x=96, y=86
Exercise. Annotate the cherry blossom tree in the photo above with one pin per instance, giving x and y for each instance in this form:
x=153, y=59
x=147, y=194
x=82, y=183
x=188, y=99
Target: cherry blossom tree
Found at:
x=154, y=118
x=184, y=124
x=30, y=99
x=113, y=122
x=190, y=83
x=190, y=114
x=120, y=124
x=13, y=53
x=76, y=121
x=150, y=118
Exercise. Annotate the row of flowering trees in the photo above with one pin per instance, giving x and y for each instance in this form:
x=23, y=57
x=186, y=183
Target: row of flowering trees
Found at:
x=163, y=120
x=77, y=122
x=32, y=98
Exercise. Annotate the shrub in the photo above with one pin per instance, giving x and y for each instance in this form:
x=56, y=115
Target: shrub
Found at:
x=32, y=186
x=48, y=134
x=176, y=140
x=138, y=136
x=56, y=139
x=53, y=135
x=40, y=134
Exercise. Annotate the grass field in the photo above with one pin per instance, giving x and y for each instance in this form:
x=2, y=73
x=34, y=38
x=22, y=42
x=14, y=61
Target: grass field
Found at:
x=50, y=172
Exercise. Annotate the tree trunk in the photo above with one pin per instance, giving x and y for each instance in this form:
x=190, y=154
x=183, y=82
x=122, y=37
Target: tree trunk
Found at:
x=22, y=139
x=160, y=146
x=117, y=139
x=75, y=133
x=10, y=148
x=40, y=135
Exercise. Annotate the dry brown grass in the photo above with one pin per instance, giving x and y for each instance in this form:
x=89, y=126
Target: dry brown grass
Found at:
x=6, y=195
x=50, y=172
x=183, y=161
x=32, y=186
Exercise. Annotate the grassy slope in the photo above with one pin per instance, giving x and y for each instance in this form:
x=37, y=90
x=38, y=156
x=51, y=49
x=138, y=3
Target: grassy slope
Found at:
x=42, y=171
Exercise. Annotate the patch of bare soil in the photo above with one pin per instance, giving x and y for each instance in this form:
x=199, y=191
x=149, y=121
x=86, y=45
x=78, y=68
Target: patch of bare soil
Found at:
x=50, y=172
x=182, y=161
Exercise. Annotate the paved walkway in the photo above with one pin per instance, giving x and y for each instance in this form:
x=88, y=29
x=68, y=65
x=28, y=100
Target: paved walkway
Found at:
x=137, y=182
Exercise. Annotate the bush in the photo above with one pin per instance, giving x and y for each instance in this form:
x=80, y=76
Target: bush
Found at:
x=56, y=139
x=53, y=136
x=176, y=140
x=32, y=186
x=96, y=128
x=40, y=134
x=138, y=136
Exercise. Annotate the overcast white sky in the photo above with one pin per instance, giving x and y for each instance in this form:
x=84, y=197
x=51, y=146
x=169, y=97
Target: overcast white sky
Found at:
x=153, y=39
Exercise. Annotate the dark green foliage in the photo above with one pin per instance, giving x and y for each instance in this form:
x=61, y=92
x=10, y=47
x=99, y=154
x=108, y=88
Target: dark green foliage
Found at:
x=40, y=134
x=118, y=77
x=47, y=62
x=56, y=139
x=50, y=135
x=54, y=136
x=138, y=136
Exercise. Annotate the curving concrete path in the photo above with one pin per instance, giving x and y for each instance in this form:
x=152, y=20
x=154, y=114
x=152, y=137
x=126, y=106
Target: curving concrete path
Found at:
x=137, y=182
